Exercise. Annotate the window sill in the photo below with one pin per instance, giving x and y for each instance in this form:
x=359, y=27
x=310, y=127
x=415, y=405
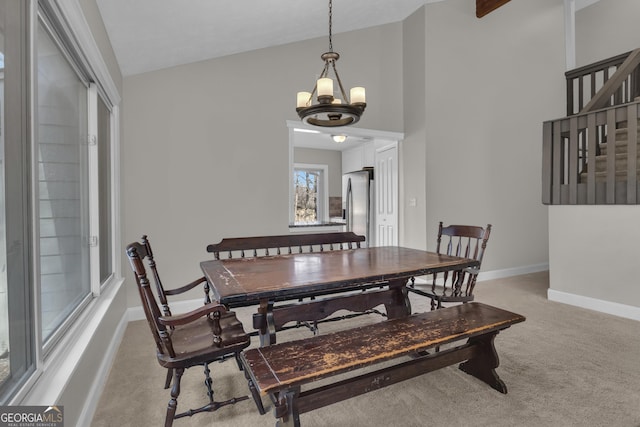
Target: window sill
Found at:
x=317, y=227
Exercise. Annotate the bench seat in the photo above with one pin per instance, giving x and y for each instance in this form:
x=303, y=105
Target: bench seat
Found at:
x=281, y=369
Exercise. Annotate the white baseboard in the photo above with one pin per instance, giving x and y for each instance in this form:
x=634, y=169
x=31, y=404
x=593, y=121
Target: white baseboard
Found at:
x=516, y=271
x=614, y=308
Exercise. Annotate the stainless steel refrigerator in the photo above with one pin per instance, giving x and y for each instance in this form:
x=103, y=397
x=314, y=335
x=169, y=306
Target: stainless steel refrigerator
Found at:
x=357, y=203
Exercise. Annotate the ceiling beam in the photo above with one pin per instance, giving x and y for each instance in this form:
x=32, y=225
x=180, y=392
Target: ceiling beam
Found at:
x=483, y=7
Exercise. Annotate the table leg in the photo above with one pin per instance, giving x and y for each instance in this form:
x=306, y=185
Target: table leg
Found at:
x=401, y=306
x=263, y=322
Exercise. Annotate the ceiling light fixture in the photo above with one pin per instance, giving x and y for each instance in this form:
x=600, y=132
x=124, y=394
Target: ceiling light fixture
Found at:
x=339, y=138
x=330, y=111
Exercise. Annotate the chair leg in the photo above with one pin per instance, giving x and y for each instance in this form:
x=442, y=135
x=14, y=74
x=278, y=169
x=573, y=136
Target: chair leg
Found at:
x=175, y=392
x=209, y=407
x=237, y=357
x=167, y=381
x=207, y=382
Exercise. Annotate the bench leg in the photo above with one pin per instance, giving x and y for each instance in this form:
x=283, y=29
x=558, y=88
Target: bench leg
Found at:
x=286, y=409
x=483, y=365
x=256, y=396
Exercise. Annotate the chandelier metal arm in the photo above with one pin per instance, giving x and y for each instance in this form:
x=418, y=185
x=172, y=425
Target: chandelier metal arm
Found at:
x=344, y=95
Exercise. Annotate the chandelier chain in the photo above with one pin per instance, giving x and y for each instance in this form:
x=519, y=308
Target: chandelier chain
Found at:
x=330, y=25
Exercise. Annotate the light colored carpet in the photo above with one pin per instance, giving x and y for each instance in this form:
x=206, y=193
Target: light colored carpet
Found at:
x=564, y=366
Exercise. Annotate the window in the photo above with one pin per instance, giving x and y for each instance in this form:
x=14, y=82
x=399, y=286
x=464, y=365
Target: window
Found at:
x=310, y=195
x=63, y=192
x=56, y=187
x=4, y=307
x=17, y=333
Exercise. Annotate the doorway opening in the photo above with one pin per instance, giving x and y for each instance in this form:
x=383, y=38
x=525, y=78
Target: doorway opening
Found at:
x=359, y=149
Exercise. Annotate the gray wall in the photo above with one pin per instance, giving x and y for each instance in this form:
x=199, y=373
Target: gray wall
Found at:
x=605, y=29
x=490, y=83
x=413, y=150
x=593, y=249
x=331, y=158
x=206, y=144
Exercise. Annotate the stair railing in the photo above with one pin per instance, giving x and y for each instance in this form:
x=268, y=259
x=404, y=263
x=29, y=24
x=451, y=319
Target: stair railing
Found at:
x=569, y=151
x=620, y=74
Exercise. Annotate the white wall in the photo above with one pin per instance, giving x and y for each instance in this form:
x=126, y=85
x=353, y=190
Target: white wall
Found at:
x=490, y=83
x=593, y=249
x=206, y=144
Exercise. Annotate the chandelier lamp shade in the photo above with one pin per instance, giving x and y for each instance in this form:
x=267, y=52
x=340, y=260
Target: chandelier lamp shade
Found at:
x=332, y=108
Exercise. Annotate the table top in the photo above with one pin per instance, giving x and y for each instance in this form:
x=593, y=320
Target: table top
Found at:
x=244, y=280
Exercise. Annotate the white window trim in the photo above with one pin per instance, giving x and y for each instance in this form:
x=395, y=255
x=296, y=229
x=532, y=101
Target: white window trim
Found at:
x=323, y=213
x=116, y=277
x=94, y=189
x=52, y=375
x=72, y=12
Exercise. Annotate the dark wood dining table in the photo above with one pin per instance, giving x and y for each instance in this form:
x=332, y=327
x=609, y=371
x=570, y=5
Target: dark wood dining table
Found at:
x=265, y=281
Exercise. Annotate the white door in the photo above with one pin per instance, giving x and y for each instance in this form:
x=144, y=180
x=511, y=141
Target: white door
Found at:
x=386, y=198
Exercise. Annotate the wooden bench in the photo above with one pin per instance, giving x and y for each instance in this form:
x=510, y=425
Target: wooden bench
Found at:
x=281, y=370
x=285, y=244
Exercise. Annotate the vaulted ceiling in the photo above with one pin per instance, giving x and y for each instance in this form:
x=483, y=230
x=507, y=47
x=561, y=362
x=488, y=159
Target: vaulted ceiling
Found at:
x=152, y=34
x=147, y=35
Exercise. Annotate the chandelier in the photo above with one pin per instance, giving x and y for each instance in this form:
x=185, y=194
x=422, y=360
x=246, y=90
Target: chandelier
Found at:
x=330, y=110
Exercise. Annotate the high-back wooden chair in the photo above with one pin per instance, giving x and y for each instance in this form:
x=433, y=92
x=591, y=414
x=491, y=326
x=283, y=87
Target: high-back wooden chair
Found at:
x=465, y=241
x=199, y=337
